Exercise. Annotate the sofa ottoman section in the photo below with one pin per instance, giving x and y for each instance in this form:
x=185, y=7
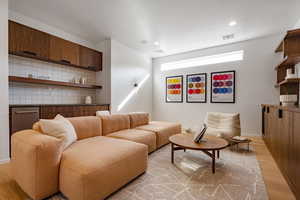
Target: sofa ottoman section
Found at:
x=163, y=131
x=140, y=136
x=93, y=168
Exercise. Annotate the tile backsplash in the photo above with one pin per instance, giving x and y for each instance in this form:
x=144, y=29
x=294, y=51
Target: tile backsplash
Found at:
x=23, y=93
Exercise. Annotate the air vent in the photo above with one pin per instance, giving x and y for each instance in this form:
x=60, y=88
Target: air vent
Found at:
x=228, y=37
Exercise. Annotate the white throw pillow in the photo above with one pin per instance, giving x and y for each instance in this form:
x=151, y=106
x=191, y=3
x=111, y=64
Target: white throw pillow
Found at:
x=102, y=113
x=61, y=128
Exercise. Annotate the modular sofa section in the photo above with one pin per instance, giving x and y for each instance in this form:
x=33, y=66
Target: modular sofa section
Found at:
x=140, y=136
x=163, y=131
x=93, y=168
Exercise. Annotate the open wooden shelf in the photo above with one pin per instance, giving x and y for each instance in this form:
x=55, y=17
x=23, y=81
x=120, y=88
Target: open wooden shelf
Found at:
x=50, y=82
x=279, y=48
x=289, y=60
x=289, y=34
x=291, y=80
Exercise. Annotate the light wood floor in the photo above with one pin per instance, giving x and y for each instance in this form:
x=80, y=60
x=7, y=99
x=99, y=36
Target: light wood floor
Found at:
x=276, y=185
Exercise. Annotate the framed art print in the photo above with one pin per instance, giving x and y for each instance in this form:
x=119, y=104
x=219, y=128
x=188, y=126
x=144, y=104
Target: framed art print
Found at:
x=222, y=87
x=196, y=88
x=174, y=92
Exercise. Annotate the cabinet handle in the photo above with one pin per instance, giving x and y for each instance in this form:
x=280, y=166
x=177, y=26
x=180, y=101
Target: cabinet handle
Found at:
x=268, y=109
x=65, y=61
x=25, y=112
x=29, y=53
x=280, y=113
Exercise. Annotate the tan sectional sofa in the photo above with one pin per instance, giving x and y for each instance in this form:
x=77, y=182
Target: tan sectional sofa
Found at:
x=110, y=151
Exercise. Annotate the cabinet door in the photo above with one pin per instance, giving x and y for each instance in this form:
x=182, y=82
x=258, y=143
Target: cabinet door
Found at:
x=90, y=58
x=283, y=139
x=28, y=41
x=64, y=51
x=274, y=132
x=294, y=166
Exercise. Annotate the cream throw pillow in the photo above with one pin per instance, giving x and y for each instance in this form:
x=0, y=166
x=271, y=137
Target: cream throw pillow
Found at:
x=61, y=128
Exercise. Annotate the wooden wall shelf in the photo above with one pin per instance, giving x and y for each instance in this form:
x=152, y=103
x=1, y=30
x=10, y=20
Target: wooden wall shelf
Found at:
x=50, y=82
x=291, y=80
x=289, y=60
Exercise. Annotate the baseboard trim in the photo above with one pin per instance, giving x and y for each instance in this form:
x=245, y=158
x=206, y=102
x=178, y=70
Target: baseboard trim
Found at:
x=4, y=161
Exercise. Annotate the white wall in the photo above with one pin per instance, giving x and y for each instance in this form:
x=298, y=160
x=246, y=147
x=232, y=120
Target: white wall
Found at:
x=255, y=79
x=127, y=67
x=104, y=77
x=4, y=132
x=297, y=25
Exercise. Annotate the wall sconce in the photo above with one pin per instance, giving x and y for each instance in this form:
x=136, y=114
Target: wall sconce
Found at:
x=135, y=85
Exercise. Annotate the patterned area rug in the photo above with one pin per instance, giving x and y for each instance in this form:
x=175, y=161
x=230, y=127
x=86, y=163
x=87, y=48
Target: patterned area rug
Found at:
x=237, y=177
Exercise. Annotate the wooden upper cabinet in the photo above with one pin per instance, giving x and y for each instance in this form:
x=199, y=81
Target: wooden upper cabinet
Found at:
x=64, y=51
x=28, y=41
x=90, y=58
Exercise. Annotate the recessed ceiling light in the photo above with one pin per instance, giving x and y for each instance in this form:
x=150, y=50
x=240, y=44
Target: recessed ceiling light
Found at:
x=232, y=23
x=156, y=43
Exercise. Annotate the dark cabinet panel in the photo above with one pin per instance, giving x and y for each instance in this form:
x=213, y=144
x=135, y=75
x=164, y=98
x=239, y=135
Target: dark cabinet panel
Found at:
x=64, y=51
x=28, y=41
x=49, y=112
x=281, y=129
x=295, y=154
x=23, y=118
x=90, y=58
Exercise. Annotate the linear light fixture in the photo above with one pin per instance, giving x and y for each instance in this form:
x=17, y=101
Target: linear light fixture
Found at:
x=205, y=60
x=133, y=92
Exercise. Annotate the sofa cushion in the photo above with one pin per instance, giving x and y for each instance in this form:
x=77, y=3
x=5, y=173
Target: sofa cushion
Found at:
x=86, y=127
x=95, y=167
x=113, y=123
x=163, y=131
x=145, y=137
x=138, y=119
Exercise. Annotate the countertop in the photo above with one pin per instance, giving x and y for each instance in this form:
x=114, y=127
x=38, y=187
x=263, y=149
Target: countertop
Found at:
x=291, y=109
x=39, y=105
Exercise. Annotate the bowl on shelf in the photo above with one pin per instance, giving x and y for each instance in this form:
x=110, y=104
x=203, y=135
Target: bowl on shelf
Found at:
x=288, y=100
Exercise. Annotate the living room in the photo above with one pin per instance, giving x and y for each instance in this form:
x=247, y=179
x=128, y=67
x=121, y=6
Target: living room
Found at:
x=109, y=99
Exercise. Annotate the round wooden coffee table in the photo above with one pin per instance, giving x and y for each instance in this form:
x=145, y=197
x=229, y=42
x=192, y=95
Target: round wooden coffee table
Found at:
x=210, y=146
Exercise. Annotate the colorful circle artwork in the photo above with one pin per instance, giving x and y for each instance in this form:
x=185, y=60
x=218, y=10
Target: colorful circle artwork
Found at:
x=196, y=84
x=222, y=85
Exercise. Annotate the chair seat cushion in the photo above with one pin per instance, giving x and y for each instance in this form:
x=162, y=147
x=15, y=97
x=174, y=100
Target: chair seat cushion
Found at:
x=95, y=167
x=145, y=137
x=163, y=131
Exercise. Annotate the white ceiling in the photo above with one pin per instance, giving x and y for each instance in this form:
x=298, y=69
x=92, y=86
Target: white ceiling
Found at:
x=179, y=25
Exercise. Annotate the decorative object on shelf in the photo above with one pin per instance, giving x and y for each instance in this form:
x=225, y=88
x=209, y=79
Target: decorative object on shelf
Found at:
x=288, y=100
x=222, y=87
x=88, y=100
x=297, y=68
x=196, y=88
x=290, y=74
x=174, y=91
x=83, y=80
x=43, y=77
